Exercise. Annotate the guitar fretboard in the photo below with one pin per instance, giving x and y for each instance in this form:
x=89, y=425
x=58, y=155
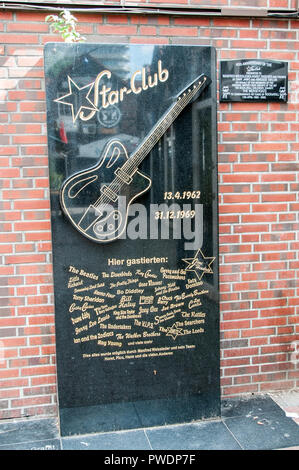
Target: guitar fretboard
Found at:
x=132, y=164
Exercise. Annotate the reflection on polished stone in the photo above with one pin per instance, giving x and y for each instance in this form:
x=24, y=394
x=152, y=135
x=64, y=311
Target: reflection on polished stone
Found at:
x=135, y=415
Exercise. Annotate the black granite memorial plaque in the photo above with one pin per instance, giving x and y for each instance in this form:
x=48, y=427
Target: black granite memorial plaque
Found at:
x=253, y=80
x=133, y=180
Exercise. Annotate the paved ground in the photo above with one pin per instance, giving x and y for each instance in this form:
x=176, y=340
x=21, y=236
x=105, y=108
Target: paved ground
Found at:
x=259, y=422
x=289, y=402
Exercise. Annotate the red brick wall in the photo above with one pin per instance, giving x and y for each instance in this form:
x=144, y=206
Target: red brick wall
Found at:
x=258, y=196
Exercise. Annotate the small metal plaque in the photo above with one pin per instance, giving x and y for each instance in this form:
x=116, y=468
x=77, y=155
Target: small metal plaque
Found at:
x=253, y=80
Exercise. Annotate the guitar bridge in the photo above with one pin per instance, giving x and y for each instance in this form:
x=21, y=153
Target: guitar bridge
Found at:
x=123, y=176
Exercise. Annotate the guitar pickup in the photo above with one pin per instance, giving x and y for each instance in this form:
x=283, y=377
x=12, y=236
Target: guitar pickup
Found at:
x=123, y=176
x=109, y=193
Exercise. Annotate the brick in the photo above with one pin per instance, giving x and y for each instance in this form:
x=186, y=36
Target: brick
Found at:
x=51, y=38
x=10, y=150
x=238, y=324
x=34, y=150
x=148, y=30
x=251, y=228
x=240, y=137
x=38, y=236
x=241, y=352
x=238, y=208
x=117, y=19
x=10, y=173
x=269, y=207
x=29, y=139
x=28, y=117
x=86, y=17
x=249, y=44
x=39, y=280
x=23, y=194
x=269, y=377
x=34, y=269
x=32, y=310
x=279, y=385
x=31, y=204
x=117, y=30
x=148, y=40
x=20, y=259
x=176, y=31
x=234, y=362
x=271, y=247
x=258, y=341
x=278, y=55
x=41, y=410
x=46, y=379
x=11, y=393
x=241, y=370
x=231, y=22
x=242, y=380
x=273, y=321
x=269, y=358
x=32, y=226
x=27, y=27
x=234, y=199
x=30, y=106
x=244, y=178
x=8, y=38
x=32, y=290
x=142, y=19
x=41, y=340
x=30, y=401
x=258, y=332
x=29, y=352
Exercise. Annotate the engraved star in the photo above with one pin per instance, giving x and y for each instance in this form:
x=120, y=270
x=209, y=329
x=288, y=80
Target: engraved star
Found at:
x=174, y=332
x=199, y=264
x=77, y=98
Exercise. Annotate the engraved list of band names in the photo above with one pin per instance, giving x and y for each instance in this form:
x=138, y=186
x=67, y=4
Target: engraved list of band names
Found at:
x=132, y=311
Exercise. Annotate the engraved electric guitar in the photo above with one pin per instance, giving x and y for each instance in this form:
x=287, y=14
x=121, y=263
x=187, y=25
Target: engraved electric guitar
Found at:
x=97, y=200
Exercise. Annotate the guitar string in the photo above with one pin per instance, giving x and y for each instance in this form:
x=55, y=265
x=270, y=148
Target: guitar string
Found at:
x=162, y=126
x=133, y=162
x=141, y=154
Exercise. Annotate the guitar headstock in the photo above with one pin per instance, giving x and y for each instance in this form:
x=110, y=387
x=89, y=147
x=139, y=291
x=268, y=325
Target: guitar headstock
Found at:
x=190, y=92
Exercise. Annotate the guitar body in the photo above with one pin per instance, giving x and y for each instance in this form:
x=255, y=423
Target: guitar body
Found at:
x=97, y=200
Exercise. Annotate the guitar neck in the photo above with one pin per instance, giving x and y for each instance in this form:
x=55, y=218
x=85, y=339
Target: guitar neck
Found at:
x=160, y=128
